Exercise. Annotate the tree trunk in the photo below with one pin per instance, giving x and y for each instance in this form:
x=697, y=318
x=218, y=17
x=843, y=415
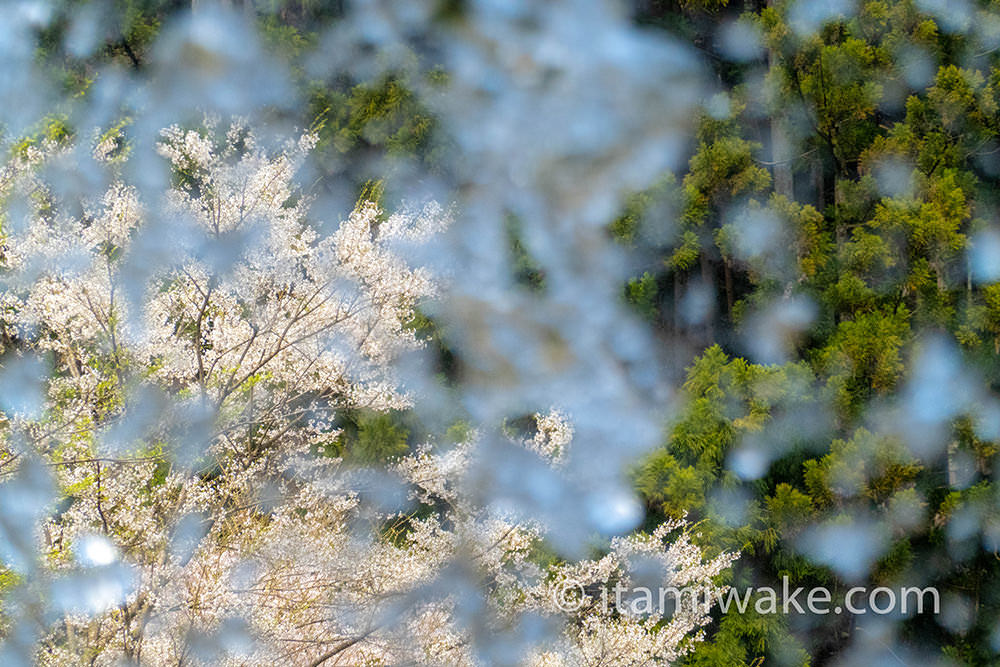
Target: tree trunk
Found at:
x=728, y=275
x=781, y=148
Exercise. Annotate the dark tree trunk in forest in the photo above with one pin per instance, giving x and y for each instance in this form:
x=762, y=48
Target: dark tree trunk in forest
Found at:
x=781, y=157
x=708, y=282
x=781, y=149
x=676, y=310
x=728, y=275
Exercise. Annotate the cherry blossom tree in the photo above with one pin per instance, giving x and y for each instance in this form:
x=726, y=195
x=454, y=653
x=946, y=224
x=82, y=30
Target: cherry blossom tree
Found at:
x=191, y=353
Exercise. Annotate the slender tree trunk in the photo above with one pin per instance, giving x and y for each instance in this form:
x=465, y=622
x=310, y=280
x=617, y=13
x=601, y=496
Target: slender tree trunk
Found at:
x=781, y=148
x=819, y=184
x=708, y=283
x=781, y=156
x=728, y=276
